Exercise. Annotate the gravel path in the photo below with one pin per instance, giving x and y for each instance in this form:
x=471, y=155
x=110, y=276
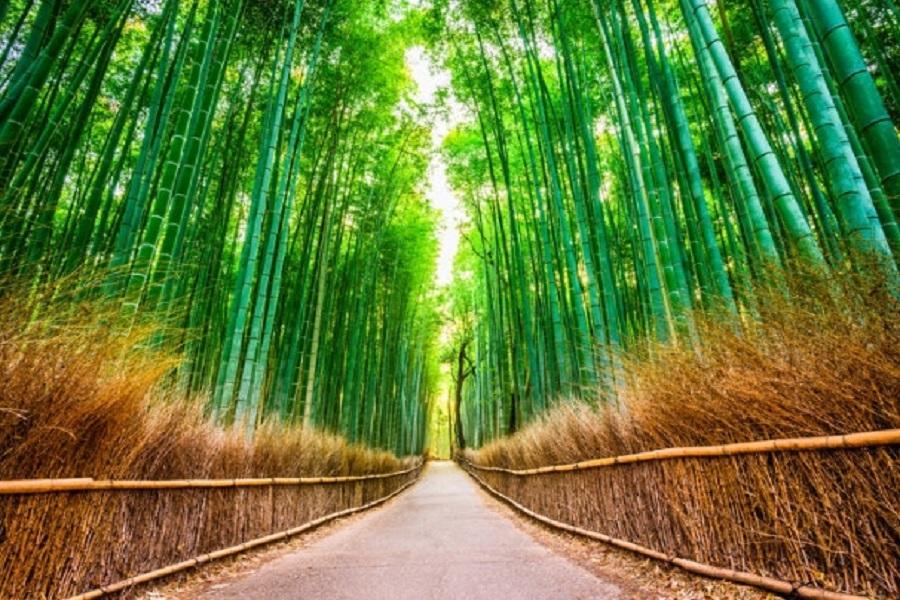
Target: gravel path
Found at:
x=436, y=541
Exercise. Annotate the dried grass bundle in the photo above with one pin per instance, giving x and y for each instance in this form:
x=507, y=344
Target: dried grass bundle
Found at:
x=823, y=361
x=79, y=399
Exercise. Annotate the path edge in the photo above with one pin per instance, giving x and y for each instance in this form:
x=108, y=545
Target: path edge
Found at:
x=240, y=548
x=783, y=588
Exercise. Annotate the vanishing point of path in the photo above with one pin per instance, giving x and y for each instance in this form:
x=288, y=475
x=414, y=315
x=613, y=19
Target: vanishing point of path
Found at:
x=436, y=541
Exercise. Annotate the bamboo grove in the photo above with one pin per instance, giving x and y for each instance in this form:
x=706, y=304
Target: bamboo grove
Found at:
x=246, y=173
x=630, y=163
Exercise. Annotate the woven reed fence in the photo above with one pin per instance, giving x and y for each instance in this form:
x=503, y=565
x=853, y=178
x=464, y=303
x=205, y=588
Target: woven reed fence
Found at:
x=64, y=537
x=812, y=517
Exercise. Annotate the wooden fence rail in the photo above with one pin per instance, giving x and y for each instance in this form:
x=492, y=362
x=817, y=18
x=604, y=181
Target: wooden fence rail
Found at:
x=865, y=439
x=87, y=484
x=770, y=584
x=233, y=550
x=757, y=510
x=85, y=538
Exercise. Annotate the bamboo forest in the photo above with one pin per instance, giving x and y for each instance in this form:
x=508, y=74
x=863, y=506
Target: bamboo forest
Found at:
x=629, y=267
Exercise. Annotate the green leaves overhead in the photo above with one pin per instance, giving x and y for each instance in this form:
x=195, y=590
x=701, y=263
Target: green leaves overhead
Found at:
x=247, y=172
x=630, y=163
x=250, y=174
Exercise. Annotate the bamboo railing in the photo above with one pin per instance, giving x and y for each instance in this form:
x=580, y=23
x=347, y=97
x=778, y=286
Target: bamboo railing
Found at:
x=233, y=550
x=766, y=583
x=63, y=490
x=87, y=484
x=866, y=439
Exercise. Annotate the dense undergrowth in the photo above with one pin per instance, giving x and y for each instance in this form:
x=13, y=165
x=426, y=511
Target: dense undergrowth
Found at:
x=821, y=359
x=827, y=362
x=84, y=395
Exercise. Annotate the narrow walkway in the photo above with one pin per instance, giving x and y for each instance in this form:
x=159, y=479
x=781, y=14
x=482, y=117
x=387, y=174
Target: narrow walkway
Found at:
x=436, y=541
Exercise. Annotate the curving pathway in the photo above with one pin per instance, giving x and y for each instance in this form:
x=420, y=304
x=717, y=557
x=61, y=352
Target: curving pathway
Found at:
x=436, y=541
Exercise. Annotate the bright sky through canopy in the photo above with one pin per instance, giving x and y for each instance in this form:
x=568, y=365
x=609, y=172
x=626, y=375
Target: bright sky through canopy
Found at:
x=430, y=81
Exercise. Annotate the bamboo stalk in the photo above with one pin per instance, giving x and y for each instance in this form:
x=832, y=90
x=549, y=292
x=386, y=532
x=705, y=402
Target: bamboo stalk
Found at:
x=87, y=484
x=867, y=439
x=767, y=583
x=231, y=551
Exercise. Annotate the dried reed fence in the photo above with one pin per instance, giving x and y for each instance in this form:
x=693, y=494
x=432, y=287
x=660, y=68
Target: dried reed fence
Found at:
x=118, y=475
x=65, y=537
x=812, y=517
x=821, y=360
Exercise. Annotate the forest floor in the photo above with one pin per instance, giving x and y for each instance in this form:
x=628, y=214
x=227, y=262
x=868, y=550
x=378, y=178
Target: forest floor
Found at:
x=445, y=538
